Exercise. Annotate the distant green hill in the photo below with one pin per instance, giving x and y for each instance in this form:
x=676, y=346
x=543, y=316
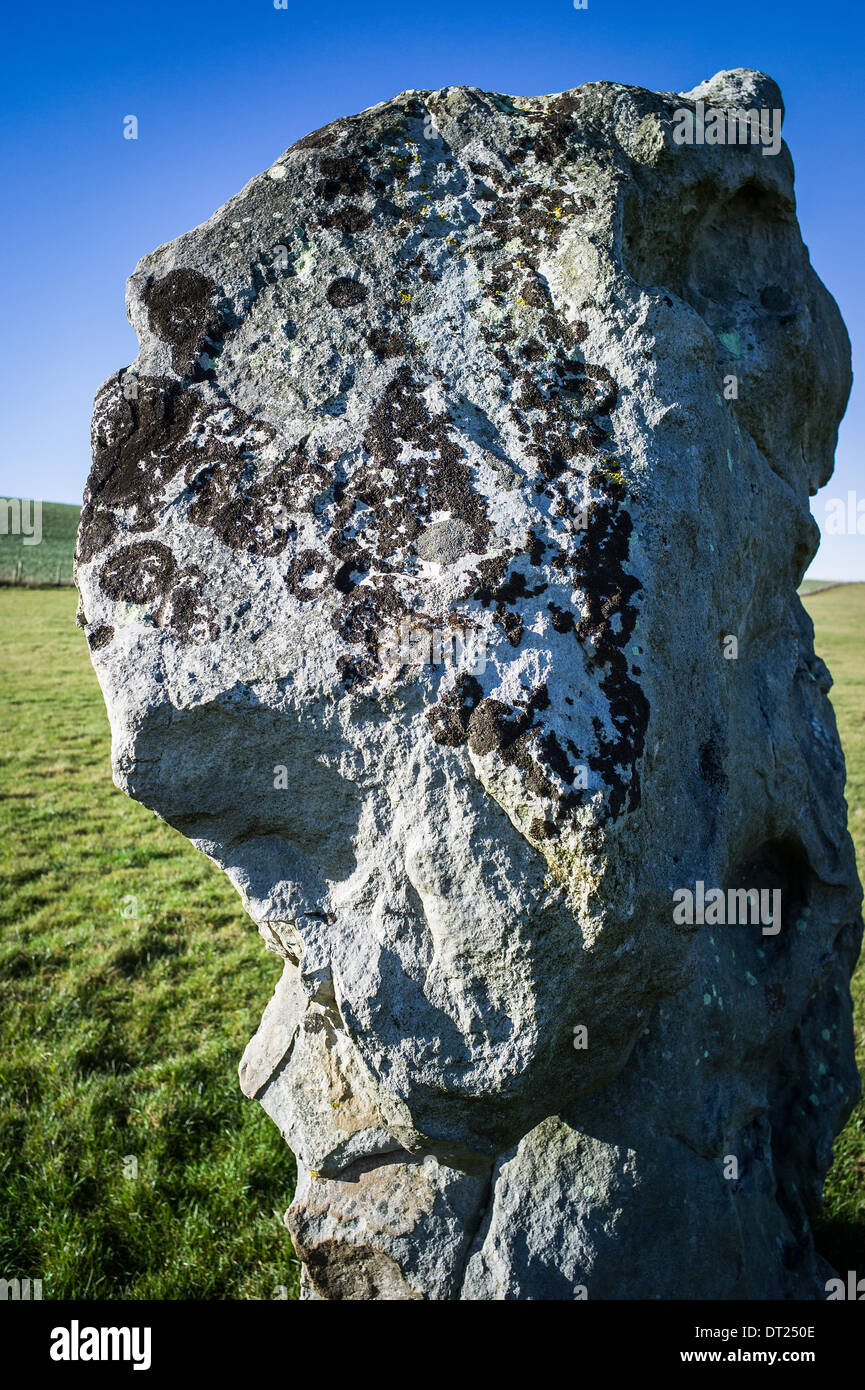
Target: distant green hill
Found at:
x=815, y=586
x=52, y=557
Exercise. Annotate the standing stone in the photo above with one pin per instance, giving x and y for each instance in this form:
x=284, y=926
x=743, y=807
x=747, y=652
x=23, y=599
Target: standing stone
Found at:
x=439, y=566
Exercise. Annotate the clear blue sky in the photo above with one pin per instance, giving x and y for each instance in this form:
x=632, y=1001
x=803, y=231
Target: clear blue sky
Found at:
x=221, y=87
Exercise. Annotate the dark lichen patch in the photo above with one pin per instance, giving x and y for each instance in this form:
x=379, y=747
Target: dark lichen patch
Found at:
x=385, y=344
x=449, y=719
x=100, y=637
x=147, y=575
x=135, y=452
x=97, y=528
x=321, y=139
x=348, y=219
x=434, y=476
x=586, y=548
x=140, y=445
x=302, y=571
x=249, y=506
x=561, y=619
x=533, y=351
x=516, y=735
x=542, y=829
x=345, y=175
x=512, y=626
x=504, y=590
x=416, y=468
x=495, y=727
x=139, y=573
x=370, y=611
x=344, y=293
x=607, y=628
x=181, y=311
x=344, y=577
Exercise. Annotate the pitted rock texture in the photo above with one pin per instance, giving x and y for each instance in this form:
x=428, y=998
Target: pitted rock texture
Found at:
x=410, y=554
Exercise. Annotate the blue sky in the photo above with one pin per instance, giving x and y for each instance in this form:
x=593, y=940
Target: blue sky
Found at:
x=221, y=88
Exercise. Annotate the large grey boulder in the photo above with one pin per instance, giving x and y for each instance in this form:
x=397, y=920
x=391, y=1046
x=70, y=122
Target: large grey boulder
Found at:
x=439, y=566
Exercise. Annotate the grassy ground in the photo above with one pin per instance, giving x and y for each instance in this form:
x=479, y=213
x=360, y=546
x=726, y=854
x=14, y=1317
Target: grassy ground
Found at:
x=839, y=631
x=48, y=562
x=132, y=980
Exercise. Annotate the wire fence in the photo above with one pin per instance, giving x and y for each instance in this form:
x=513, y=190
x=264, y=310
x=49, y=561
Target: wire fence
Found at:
x=37, y=573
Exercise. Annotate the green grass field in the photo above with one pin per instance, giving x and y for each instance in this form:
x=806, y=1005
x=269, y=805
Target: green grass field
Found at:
x=121, y=1034
x=49, y=562
x=132, y=980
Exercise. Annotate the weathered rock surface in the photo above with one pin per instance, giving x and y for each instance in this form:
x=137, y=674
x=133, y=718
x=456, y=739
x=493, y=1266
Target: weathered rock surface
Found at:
x=409, y=560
